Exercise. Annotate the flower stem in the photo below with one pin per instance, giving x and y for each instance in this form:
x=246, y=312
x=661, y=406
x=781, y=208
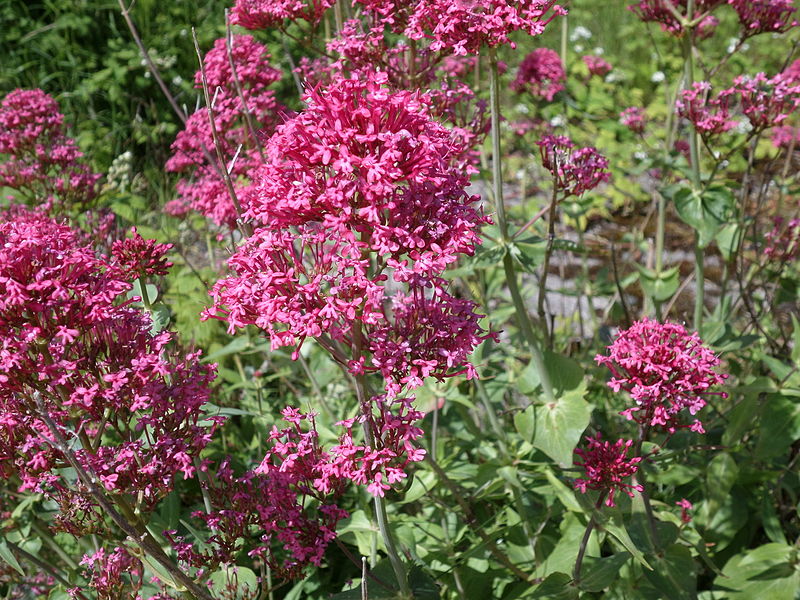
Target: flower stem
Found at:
x=694, y=155
x=523, y=316
x=576, y=572
x=370, y=436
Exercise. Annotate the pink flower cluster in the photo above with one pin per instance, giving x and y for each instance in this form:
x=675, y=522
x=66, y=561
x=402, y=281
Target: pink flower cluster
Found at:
x=111, y=574
x=286, y=499
x=605, y=466
x=69, y=350
x=786, y=136
x=666, y=371
x=663, y=13
x=576, y=171
x=634, y=118
x=766, y=101
x=136, y=257
x=540, y=74
x=765, y=16
x=269, y=14
x=357, y=212
x=41, y=161
x=710, y=116
x=463, y=27
x=783, y=241
x=193, y=150
x=597, y=65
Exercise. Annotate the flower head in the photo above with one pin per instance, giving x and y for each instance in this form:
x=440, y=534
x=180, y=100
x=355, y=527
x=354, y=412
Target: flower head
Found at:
x=605, y=466
x=576, y=170
x=762, y=16
x=633, y=118
x=665, y=369
x=664, y=13
x=269, y=14
x=541, y=74
x=597, y=65
x=137, y=257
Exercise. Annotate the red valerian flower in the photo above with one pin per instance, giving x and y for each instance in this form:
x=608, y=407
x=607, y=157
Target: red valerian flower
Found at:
x=203, y=189
x=605, y=466
x=41, y=161
x=137, y=257
x=686, y=506
x=576, y=171
x=765, y=16
x=73, y=350
x=597, y=65
x=269, y=14
x=540, y=74
x=665, y=369
x=633, y=118
x=664, y=11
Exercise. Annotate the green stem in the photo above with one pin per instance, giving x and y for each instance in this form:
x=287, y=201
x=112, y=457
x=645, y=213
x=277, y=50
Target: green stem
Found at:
x=694, y=154
x=660, y=228
x=380, y=508
x=576, y=571
x=523, y=316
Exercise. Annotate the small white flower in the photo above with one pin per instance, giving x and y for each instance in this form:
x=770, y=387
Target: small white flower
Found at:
x=558, y=121
x=580, y=33
x=177, y=80
x=743, y=126
x=658, y=77
x=523, y=109
x=578, y=47
x=599, y=51
x=639, y=155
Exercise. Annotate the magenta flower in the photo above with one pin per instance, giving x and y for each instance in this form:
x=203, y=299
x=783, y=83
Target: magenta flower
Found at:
x=709, y=116
x=112, y=573
x=203, y=189
x=767, y=102
x=597, y=65
x=685, y=506
x=666, y=371
x=541, y=74
x=41, y=161
x=280, y=511
x=765, y=16
x=137, y=257
x=605, y=466
x=658, y=11
x=463, y=27
x=269, y=14
x=69, y=349
x=786, y=136
x=576, y=170
x=783, y=241
x=633, y=118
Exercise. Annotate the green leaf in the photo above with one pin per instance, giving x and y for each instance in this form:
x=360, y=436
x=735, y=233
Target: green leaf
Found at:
x=599, y=573
x=524, y=423
x=160, y=314
x=721, y=475
x=560, y=424
x=557, y=586
x=659, y=286
x=8, y=557
x=780, y=426
x=706, y=212
x=136, y=290
x=674, y=573
x=236, y=345
x=239, y=578
x=728, y=239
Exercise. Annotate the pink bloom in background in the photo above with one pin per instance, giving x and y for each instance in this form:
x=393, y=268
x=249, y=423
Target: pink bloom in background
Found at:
x=137, y=257
x=70, y=348
x=42, y=162
x=576, y=170
x=710, y=116
x=605, y=466
x=665, y=369
x=658, y=11
x=194, y=154
x=791, y=74
x=785, y=137
x=540, y=74
x=686, y=506
x=783, y=241
x=269, y=14
x=765, y=16
x=597, y=65
x=706, y=27
x=767, y=102
x=634, y=118
x=463, y=27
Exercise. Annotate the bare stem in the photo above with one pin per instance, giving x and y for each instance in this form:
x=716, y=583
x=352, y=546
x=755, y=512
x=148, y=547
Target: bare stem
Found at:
x=576, y=572
x=523, y=316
